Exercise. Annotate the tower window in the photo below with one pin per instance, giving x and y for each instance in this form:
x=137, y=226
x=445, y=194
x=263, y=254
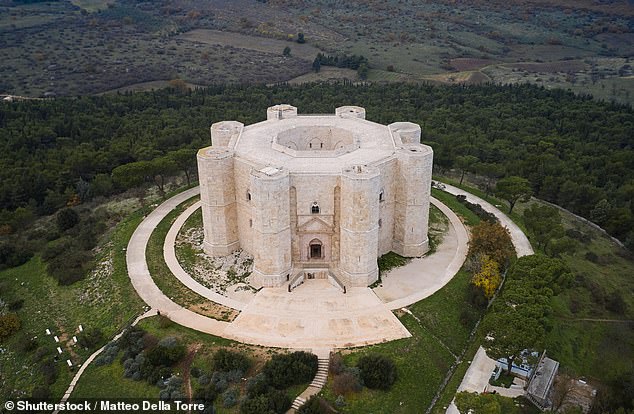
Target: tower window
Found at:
x=380, y=222
x=381, y=196
x=314, y=209
x=248, y=196
x=250, y=222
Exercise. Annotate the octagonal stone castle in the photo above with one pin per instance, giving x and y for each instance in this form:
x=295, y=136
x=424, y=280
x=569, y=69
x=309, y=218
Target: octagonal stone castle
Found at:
x=322, y=195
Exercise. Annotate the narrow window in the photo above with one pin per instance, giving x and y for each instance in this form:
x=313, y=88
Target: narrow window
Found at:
x=381, y=196
x=314, y=209
x=250, y=223
x=380, y=222
x=310, y=145
x=248, y=196
x=321, y=145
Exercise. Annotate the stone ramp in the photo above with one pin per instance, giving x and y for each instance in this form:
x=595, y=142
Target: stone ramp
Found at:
x=316, y=315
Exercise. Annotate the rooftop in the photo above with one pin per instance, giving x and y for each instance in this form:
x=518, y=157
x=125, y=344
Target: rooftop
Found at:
x=318, y=143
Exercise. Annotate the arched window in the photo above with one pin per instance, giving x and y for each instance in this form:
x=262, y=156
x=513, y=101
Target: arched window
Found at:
x=381, y=196
x=314, y=209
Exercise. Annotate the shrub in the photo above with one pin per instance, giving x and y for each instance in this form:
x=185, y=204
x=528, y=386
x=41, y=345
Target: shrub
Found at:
x=285, y=370
x=615, y=303
x=12, y=255
x=166, y=353
x=257, y=385
x=346, y=383
x=256, y=405
x=315, y=405
x=377, y=371
x=225, y=360
x=230, y=398
x=9, y=324
x=337, y=365
x=205, y=393
x=67, y=219
x=91, y=338
x=26, y=344
x=48, y=368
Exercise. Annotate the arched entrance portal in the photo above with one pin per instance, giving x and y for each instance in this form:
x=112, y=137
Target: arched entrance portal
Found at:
x=315, y=250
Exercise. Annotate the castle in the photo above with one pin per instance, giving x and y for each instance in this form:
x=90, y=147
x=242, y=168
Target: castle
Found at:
x=315, y=195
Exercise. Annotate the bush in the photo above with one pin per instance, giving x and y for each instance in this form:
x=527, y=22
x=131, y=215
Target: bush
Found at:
x=69, y=267
x=225, y=360
x=377, y=371
x=285, y=370
x=91, y=338
x=48, y=369
x=9, y=324
x=168, y=352
x=615, y=303
x=257, y=385
x=314, y=405
x=230, y=398
x=26, y=344
x=12, y=255
x=67, y=219
x=205, y=393
x=337, y=365
x=346, y=383
x=273, y=401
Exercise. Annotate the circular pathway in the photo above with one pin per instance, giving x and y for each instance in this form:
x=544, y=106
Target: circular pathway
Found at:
x=314, y=315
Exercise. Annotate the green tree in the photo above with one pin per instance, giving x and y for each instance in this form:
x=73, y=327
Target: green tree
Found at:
x=300, y=38
x=287, y=51
x=465, y=163
x=317, y=65
x=490, y=172
x=601, y=212
x=185, y=160
x=544, y=224
x=130, y=175
x=160, y=169
x=513, y=189
x=492, y=240
x=510, y=330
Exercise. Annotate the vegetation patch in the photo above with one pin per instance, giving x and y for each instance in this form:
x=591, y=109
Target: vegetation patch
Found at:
x=168, y=283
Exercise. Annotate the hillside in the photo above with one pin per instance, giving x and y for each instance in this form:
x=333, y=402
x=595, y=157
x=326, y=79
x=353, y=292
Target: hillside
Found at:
x=84, y=47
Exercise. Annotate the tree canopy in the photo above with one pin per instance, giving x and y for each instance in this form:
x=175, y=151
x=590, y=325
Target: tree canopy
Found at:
x=573, y=151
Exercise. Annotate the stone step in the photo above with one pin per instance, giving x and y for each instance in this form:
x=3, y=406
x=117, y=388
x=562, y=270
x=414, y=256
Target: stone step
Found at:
x=299, y=401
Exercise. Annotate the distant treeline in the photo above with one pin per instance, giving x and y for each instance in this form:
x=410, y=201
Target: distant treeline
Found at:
x=576, y=152
x=340, y=61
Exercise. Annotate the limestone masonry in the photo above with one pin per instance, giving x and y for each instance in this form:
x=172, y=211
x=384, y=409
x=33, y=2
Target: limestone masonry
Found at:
x=315, y=195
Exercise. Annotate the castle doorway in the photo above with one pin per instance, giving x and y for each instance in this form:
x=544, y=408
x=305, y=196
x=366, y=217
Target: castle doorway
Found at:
x=315, y=249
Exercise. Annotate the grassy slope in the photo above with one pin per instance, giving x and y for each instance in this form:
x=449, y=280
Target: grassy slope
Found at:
x=47, y=305
x=168, y=283
x=594, y=349
x=423, y=360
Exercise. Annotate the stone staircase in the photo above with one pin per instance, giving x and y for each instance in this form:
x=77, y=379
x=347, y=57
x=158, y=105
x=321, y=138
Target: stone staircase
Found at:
x=323, y=359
